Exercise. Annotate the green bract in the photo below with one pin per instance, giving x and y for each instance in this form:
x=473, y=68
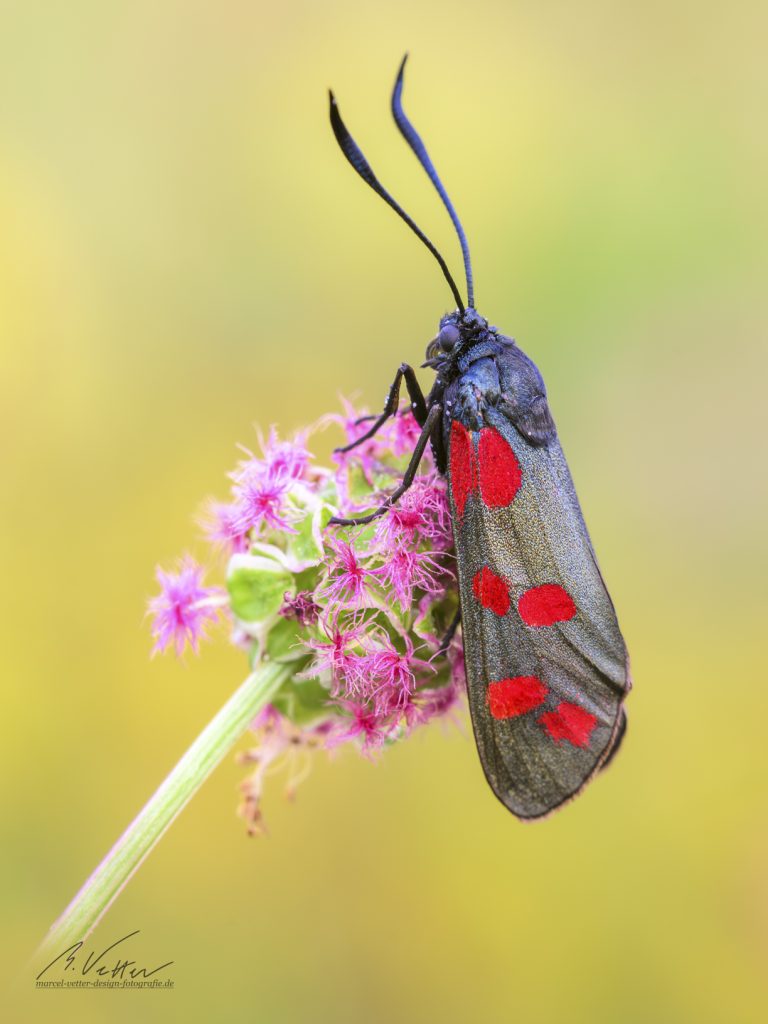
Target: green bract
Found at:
x=257, y=587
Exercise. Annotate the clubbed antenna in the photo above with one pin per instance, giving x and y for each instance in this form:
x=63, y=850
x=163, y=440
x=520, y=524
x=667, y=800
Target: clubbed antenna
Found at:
x=352, y=152
x=413, y=139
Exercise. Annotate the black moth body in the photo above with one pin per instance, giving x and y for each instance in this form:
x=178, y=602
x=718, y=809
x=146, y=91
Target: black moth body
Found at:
x=547, y=667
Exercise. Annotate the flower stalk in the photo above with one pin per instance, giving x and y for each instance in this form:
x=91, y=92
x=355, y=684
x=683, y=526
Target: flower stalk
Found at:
x=123, y=860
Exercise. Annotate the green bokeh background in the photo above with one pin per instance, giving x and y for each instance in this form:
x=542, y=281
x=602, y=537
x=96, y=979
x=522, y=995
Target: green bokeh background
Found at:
x=183, y=253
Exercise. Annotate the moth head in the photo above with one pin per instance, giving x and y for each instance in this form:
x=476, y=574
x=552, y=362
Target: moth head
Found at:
x=456, y=332
x=445, y=341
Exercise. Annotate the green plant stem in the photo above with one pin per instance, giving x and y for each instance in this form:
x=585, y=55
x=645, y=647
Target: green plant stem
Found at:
x=123, y=860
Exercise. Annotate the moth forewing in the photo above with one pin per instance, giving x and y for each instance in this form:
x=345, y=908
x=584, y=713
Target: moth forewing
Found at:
x=545, y=660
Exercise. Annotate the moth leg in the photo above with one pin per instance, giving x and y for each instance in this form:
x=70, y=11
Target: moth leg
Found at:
x=431, y=422
x=418, y=405
x=450, y=633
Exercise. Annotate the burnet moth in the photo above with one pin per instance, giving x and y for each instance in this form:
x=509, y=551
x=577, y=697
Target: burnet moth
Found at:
x=547, y=668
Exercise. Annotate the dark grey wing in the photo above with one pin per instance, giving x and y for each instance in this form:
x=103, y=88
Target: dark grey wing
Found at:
x=546, y=662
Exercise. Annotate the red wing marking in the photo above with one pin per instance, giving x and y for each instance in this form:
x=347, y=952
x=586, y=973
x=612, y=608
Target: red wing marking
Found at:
x=494, y=469
x=500, y=475
x=463, y=471
x=546, y=605
x=569, y=722
x=491, y=591
x=511, y=697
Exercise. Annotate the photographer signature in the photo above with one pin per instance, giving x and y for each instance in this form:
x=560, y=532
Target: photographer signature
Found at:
x=100, y=964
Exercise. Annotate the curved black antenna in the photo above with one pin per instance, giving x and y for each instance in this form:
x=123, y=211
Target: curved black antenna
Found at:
x=352, y=152
x=413, y=139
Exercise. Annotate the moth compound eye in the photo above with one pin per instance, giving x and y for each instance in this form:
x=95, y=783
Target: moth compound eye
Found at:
x=448, y=337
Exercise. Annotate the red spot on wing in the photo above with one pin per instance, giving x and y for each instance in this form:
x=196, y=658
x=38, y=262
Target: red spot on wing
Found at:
x=491, y=591
x=511, y=697
x=545, y=605
x=463, y=473
x=500, y=474
x=569, y=722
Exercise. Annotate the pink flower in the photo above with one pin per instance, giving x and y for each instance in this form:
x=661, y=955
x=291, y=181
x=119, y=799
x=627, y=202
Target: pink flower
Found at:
x=223, y=527
x=391, y=674
x=336, y=653
x=421, y=513
x=349, y=580
x=260, y=486
x=407, y=570
x=260, y=497
x=373, y=729
x=400, y=433
x=268, y=718
x=433, y=703
x=349, y=421
x=365, y=452
x=183, y=608
x=285, y=459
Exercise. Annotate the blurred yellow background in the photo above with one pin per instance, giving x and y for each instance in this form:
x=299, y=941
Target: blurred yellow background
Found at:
x=184, y=253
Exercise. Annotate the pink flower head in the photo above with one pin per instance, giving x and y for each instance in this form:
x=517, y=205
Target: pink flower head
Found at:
x=439, y=700
x=268, y=718
x=223, y=527
x=435, y=702
x=260, y=496
x=407, y=570
x=337, y=653
x=364, y=453
x=183, y=608
x=366, y=725
x=349, y=420
x=400, y=433
x=392, y=673
x=349, y=580
x=421, y=513
x=286, y=460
